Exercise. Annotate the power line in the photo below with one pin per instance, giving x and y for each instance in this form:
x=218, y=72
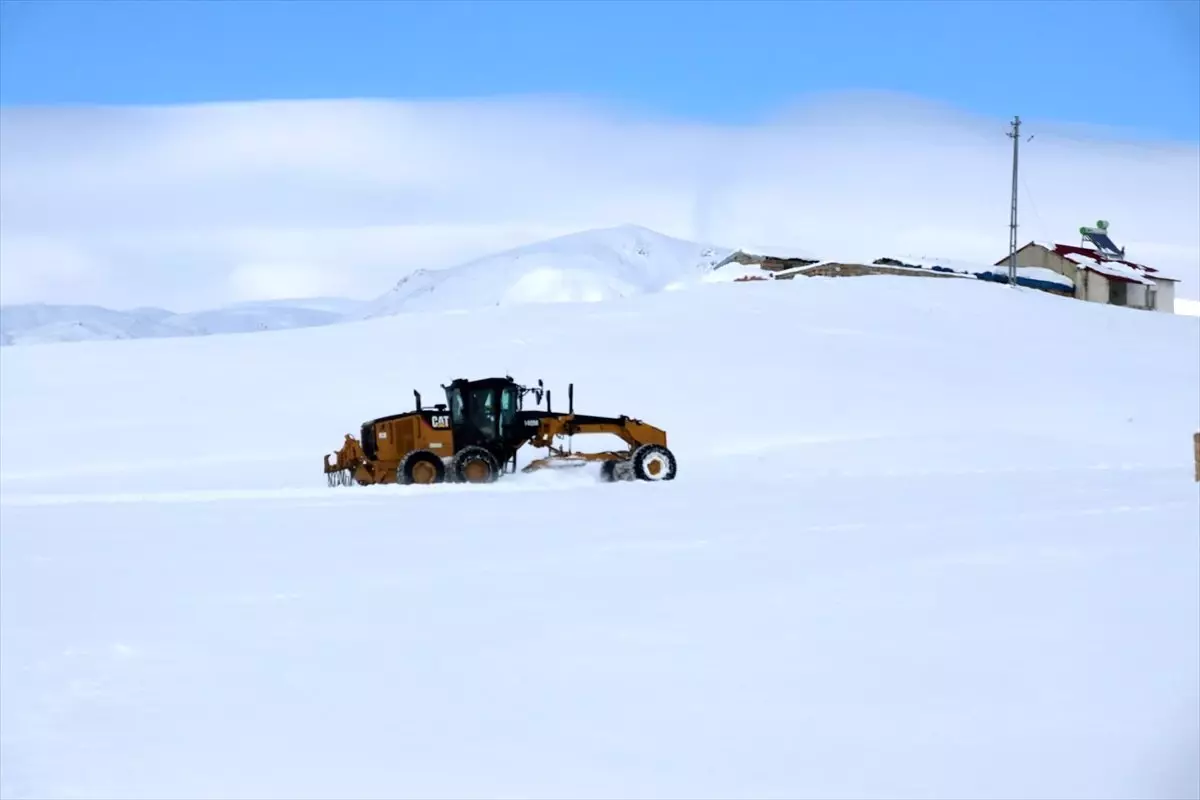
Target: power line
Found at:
x=1037, y=217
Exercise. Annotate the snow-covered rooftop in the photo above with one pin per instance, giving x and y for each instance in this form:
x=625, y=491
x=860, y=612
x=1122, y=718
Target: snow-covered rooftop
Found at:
x=1110, y=269
x=1092, y=259
x=778, y=251
x=1034, y=274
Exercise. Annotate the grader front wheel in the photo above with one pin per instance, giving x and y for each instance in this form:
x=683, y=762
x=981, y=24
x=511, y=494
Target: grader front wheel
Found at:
x=475, y=465
x=653, y=462
x=650, y=462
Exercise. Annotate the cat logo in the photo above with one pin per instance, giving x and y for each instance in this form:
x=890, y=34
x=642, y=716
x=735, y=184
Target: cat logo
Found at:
x=441, y=420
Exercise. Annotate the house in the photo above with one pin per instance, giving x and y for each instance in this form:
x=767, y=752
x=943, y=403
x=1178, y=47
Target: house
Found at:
x=1101, y=276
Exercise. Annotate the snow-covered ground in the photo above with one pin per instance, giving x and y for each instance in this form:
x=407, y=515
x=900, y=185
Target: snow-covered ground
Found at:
x=928, y=539
x=1186, y=307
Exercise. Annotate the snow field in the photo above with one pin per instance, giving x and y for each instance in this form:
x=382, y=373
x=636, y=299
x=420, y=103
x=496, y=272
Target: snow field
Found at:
x=928, y=538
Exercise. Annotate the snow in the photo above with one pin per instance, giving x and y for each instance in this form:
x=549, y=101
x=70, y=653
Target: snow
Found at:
x=40, y=323
x=956, y=264
x=1036, y=274
x=1045, y=274
x=733, y=271
x=1111, y=269
x=589, y=266
x=1187, y=307
x=977, y=268
x=904, y=556
x=778, y=251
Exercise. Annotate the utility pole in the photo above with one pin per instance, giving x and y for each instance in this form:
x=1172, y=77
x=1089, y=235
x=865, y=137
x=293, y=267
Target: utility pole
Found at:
x=1015, y=135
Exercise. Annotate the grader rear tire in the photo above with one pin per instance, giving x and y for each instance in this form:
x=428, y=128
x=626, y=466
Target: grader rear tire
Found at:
x=421, y=466
x=652, y=462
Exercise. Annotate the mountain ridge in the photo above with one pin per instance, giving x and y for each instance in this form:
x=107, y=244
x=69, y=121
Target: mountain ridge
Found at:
x=591, y=265
x=585, y=266
x=51, y=323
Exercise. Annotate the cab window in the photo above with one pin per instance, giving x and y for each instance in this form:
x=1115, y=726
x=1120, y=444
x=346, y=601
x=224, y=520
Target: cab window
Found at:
x=508, y=407
x=483, y=411
x=456, y=407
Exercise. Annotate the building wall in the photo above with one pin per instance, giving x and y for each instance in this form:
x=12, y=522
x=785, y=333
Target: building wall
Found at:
x=1034, y=255
x=1136, y=295
x=1091, y=286
x=1166, y=297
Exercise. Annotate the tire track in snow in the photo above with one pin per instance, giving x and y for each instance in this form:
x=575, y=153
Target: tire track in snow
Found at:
x=149, y=465
x=321, y=495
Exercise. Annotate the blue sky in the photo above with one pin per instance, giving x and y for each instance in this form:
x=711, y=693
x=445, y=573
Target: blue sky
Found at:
x=1134, y=65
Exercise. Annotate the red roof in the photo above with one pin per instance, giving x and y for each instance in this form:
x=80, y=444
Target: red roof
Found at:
x=1066, y=250
x=1096, y=255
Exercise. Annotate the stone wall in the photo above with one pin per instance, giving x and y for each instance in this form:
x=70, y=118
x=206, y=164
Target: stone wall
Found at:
x=840, y=270
x=768, y=263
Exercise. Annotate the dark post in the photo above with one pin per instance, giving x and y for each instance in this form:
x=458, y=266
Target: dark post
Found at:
x=1015, y=135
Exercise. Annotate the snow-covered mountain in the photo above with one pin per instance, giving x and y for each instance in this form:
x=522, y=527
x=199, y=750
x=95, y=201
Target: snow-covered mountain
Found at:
x=591, y=265
x=588, y=266
x=41, y=323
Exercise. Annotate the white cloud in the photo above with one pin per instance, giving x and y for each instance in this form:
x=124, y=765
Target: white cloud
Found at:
x=283, y=280
x=190, y=207
x=35, y=266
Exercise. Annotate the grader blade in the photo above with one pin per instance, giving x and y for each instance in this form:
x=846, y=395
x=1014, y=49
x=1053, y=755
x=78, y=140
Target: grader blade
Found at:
x=346, y=462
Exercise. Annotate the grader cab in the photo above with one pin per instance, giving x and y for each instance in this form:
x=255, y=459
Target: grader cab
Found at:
x=475, y=435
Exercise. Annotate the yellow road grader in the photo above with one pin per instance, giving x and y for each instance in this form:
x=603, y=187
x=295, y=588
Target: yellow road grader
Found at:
x=474, y=437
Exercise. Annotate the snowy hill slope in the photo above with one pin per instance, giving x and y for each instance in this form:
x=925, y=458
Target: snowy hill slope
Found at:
x=40, y=323
x=914, y=549
x=588, y=266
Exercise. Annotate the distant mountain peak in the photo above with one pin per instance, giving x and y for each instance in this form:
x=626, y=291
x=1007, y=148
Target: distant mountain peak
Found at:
x=584, y=266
